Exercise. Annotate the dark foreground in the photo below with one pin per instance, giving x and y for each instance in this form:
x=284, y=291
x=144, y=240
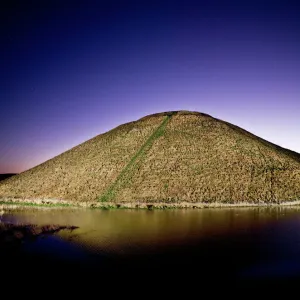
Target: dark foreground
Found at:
x=217, y=269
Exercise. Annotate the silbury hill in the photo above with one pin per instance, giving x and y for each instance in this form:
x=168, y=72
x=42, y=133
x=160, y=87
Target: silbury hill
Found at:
x=177, y=158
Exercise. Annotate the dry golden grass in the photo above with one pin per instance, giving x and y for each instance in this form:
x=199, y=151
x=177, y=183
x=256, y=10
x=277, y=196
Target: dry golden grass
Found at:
x=176, y=157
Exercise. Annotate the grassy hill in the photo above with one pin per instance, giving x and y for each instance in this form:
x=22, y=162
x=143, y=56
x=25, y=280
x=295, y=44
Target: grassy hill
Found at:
x=167, y=159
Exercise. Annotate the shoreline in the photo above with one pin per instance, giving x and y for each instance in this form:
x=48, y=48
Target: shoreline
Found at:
x=13, y=235
x=136, y=205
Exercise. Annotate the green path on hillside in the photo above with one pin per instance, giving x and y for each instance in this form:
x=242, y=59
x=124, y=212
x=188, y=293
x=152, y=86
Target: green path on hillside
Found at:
x=128, y=170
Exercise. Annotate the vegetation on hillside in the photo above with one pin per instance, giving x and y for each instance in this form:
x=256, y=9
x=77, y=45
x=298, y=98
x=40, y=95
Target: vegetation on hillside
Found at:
x=170, y=157
x=125, y=175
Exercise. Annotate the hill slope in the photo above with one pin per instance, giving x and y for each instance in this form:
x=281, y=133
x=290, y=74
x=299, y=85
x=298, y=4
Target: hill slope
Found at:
x=171, y=157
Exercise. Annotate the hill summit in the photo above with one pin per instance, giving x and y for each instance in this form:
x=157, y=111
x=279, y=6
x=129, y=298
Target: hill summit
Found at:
x=177, y=158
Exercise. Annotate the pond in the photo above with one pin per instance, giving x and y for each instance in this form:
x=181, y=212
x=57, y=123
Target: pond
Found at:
x=184, y=245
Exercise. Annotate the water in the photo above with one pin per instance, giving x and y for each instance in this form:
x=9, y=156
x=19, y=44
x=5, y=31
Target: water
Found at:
x=186, y=245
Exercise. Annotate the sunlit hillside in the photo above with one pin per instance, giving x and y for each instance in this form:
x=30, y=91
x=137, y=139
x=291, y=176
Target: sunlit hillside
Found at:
x=172, y=158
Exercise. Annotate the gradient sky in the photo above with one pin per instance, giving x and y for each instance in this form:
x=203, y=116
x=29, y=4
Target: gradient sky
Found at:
x=71, y=70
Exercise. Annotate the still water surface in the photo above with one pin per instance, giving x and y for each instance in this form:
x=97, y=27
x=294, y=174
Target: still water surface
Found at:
x=239, y=243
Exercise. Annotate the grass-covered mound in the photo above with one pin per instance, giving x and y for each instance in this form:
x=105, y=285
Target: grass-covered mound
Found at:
x=170, y=158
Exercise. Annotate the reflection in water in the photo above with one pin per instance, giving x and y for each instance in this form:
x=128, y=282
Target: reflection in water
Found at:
x=121, y=231
x=217, y=243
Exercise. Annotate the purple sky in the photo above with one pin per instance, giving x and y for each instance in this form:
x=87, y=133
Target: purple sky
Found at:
x=73, y=70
